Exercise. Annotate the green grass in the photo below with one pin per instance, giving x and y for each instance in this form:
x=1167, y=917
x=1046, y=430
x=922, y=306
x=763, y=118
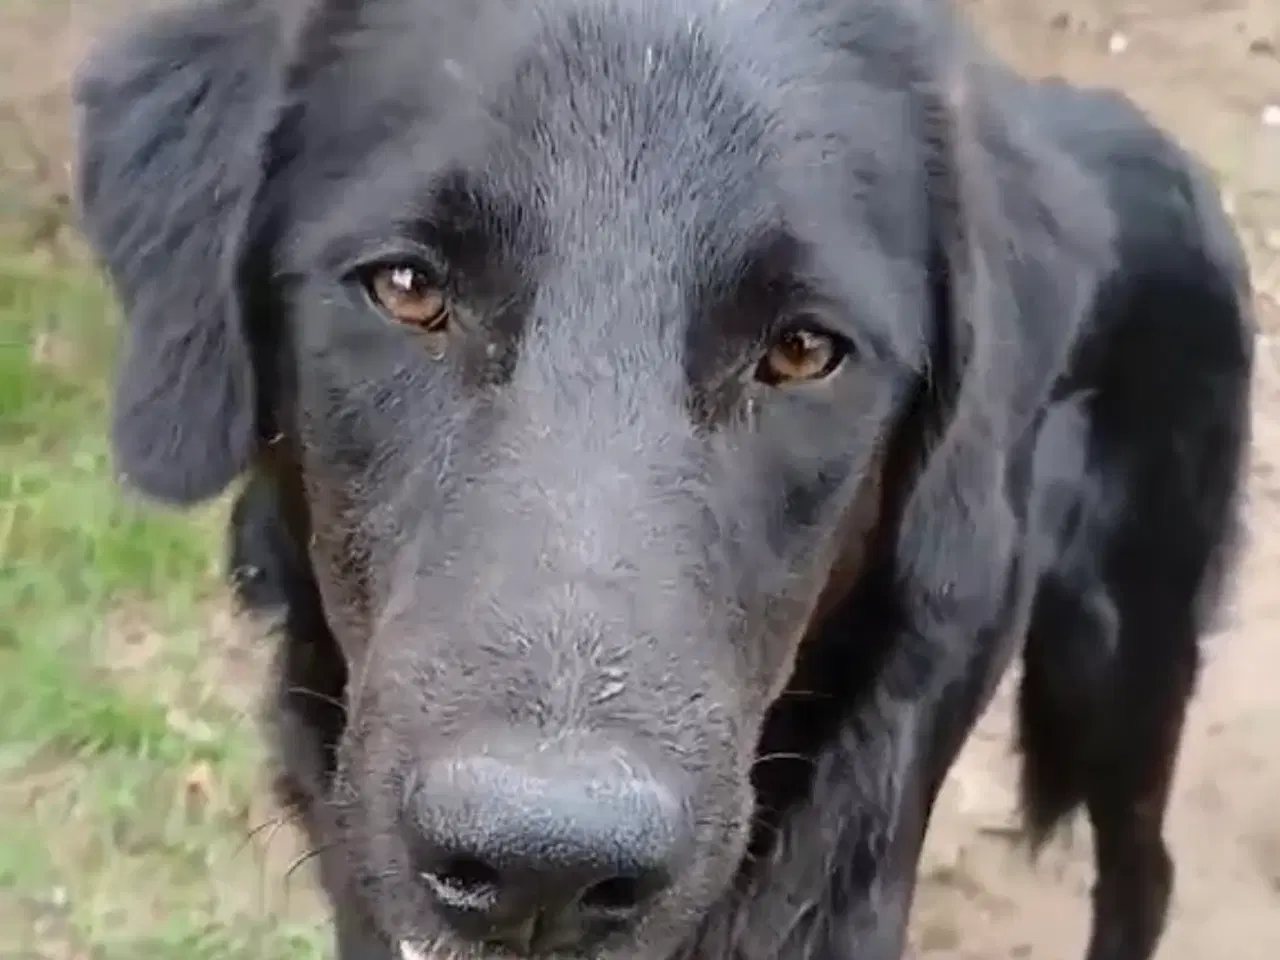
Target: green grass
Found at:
x=131, y=769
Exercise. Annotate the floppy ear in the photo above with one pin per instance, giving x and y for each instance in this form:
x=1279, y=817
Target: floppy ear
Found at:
x=173, y=112
x=1023, y=237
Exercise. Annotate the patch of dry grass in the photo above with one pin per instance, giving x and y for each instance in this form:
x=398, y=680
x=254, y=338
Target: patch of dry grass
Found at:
x=131, y=768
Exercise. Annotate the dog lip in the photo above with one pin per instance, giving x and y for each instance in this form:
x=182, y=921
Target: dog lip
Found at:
x=411, y=951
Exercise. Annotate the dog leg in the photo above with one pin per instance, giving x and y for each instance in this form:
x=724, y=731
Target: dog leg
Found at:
x=1128, y=792
x=838, y=878
x=1134, y=869
x=891, y=764
x=1100, y=725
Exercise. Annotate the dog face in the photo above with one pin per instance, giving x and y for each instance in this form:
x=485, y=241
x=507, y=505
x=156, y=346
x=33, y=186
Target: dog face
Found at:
x=588, y=328
x=582, y=398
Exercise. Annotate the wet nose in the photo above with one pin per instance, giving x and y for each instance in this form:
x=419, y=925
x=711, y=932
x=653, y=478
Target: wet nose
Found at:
x=549, y=850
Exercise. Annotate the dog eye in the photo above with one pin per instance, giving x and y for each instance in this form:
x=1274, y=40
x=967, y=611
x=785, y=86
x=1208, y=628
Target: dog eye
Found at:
x=800, y=355
x=409, y=296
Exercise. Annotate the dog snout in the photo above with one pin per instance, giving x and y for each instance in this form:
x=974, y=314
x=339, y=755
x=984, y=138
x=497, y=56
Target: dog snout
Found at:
x=544, y=848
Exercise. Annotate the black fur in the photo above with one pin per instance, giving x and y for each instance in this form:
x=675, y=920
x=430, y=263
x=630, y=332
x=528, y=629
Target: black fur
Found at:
x=585, y=520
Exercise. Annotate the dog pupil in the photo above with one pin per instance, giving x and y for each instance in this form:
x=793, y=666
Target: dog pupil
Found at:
x=404, y=279
x=797, y=348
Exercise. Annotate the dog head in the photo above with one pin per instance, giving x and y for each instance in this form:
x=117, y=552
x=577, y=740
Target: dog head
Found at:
x=586, y=330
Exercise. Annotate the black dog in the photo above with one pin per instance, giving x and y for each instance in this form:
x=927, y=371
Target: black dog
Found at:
x=666, y=420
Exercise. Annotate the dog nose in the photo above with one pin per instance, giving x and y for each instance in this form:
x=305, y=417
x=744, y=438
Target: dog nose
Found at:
x=547, y=851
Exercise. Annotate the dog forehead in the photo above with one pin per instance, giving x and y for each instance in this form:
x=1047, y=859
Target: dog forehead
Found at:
x=674, y=132
x=633, y=128
x=591, y=115
x=627, y=88
x=463, y=51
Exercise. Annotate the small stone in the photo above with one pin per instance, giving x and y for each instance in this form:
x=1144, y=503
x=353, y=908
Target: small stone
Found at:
x=1118, y=43
x=1271, y=115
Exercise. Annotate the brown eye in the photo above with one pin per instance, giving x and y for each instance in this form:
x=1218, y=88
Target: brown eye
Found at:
x=800, y=356
x=409, y=296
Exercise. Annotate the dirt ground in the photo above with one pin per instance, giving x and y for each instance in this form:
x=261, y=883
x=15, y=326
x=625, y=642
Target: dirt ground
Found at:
x=1208, y=69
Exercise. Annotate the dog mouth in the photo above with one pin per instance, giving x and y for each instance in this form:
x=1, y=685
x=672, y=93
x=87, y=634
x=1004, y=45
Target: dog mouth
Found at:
x=418, y=950
x=407, y=950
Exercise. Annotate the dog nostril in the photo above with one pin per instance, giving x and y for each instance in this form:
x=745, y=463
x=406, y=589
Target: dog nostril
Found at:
x=468, y=873
x=619, y=894
x=464, y=883
x=616, y=893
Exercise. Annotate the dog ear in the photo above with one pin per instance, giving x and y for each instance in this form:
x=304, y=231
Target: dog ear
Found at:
x=173, y=113
x=1023, y=237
